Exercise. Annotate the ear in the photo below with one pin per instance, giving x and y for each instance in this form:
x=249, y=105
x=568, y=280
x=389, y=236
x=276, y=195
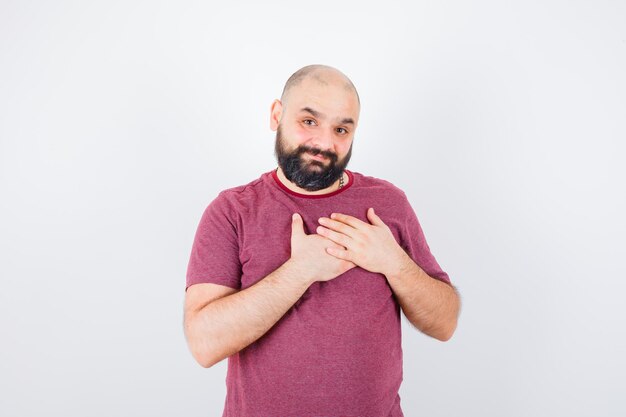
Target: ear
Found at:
x=276, y=112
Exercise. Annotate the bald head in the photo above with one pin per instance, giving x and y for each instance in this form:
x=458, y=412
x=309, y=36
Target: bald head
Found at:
x=322, y=74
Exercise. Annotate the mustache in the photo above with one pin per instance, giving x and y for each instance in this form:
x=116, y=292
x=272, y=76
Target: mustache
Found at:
x=316, y=151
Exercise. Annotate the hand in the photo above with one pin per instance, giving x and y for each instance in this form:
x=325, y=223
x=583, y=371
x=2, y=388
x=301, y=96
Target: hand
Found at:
x=309, y=254
x=370, y=246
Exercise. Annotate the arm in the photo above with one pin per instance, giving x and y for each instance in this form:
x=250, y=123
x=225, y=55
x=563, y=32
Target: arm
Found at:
x=430, y=304
x=218, y=328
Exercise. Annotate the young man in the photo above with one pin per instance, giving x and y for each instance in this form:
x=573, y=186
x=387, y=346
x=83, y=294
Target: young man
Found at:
x=299, y=276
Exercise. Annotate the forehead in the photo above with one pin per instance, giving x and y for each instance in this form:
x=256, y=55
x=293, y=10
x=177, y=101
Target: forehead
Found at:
x=334, y=99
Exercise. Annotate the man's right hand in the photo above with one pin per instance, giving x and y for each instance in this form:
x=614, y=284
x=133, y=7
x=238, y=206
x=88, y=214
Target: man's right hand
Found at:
x=309, y=257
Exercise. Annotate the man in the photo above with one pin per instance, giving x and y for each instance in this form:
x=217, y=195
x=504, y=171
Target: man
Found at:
x=299, y=276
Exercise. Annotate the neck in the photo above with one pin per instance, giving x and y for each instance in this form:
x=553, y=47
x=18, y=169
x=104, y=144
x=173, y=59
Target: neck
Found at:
x=294, y=187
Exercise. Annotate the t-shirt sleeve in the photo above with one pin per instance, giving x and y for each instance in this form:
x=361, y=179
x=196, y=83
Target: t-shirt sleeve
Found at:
x=414, y=243
x=215, y=250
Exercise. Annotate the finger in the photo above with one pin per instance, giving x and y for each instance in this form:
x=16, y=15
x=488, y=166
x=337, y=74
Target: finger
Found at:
x=337, y=226
x=339, y=253
x=373, y=217
x=349, y=220
x=336, y=237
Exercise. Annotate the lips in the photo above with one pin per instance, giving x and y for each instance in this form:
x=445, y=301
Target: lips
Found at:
x=318, y=157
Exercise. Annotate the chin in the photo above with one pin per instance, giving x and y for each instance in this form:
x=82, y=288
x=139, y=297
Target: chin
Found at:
x=316, y=164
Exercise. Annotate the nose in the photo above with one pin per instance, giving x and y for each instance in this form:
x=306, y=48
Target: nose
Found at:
x=323, y=140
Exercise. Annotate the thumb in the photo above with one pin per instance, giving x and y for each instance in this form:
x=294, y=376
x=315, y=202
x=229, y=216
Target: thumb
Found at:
x=373, y=217
x=296, y=225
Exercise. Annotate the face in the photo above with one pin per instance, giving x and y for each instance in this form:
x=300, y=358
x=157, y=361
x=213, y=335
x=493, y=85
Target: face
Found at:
x=309, y=168
x=314, y=132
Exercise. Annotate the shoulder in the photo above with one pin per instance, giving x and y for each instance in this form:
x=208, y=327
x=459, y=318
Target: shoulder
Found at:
x=242, y=194
x=234, y=203
x=378, y=185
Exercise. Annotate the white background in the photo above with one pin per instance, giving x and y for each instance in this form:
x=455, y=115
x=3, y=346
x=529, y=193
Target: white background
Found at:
x=504, y=122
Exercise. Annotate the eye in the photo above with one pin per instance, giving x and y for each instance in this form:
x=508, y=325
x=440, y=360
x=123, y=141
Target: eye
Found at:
x=305, y=121
x=341, y=128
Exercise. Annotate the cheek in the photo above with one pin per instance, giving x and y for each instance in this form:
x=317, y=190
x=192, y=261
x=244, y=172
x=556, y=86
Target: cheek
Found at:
x=301, y=135
x=343, y=148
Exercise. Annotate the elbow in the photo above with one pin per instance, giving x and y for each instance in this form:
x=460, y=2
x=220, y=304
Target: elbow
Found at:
x=204, y=358
x=202, y=351
x=441, y=333
x=207, y=354
x=447, y=330
x=204, y=354
x=446, y=335
x=204, y=361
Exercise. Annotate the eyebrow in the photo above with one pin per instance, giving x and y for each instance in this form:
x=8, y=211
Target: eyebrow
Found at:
x=315, y=113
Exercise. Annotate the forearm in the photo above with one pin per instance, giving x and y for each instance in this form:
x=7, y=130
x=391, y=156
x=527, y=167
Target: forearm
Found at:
x=229, y=324
x=429, y=304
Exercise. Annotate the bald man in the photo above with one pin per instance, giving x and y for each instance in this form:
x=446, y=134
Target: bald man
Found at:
x=299, y=276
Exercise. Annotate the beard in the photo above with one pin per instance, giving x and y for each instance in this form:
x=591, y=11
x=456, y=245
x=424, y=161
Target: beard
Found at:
x=311, y=175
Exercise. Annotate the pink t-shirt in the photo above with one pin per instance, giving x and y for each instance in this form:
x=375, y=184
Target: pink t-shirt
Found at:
x=337, y=351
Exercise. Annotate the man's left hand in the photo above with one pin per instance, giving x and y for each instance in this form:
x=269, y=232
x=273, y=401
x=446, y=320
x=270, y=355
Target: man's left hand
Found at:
x=370, y=246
